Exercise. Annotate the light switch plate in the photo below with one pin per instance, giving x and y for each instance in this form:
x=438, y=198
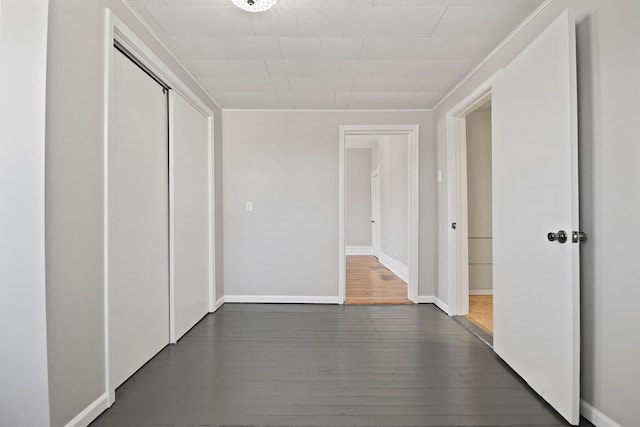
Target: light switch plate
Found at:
x=249, y=206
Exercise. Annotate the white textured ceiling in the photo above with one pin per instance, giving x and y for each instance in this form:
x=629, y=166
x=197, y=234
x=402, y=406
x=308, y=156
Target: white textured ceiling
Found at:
x=332, y=54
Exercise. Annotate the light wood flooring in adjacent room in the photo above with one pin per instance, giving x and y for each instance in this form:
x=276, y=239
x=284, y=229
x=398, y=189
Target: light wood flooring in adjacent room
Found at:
x=370, y=282
x=481, y=311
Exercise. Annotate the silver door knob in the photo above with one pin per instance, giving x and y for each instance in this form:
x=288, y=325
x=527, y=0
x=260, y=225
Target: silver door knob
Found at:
x=560, y=236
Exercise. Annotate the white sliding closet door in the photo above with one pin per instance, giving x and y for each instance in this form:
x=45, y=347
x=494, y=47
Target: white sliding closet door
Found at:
x=191, y=218
x=138, y=220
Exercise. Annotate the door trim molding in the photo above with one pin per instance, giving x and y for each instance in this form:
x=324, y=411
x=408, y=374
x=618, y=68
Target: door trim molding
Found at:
x=413, y=134
x=456, y=263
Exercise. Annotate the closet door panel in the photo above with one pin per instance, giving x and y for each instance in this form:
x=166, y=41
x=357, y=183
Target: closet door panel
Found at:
x=190, y=147
x=138, y=199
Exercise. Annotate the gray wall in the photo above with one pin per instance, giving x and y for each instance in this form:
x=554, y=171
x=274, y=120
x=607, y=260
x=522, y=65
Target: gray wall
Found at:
x=393, y=160
x=74, y=211
x=286, y=163
x=608, y=66
x=358, y=197
x=479, y=200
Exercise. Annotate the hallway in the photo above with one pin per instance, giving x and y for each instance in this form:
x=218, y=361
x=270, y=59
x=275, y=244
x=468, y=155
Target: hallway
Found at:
x=326, y=365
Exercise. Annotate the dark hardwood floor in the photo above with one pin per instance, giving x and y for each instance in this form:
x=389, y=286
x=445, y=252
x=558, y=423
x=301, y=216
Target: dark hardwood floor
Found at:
x=326, y=365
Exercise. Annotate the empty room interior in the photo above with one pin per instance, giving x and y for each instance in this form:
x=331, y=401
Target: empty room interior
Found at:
x=319, y=212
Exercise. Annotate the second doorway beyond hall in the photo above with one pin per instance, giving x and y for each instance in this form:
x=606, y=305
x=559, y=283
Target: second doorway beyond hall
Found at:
x=376, y=220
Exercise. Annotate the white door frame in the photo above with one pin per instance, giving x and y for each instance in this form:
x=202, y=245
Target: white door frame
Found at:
x=115, y=29
x=413, y=134
x=457, y=268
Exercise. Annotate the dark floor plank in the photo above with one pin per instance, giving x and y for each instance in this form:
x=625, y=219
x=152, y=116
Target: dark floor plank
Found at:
x=323, y=365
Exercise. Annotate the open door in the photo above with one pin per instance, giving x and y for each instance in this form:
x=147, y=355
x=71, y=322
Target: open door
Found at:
x=535, y=192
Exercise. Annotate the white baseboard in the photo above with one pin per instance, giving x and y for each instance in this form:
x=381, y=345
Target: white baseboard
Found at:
x=90, y=413
x=430, y=299
x=398, y=268
x=480, y=291
x=442, y=306
x=358, y=250
x=596, y=417
x=281, y=299
x=218, y=304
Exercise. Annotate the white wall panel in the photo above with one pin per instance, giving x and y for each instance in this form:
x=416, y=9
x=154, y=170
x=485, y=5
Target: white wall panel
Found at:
x=24, y=395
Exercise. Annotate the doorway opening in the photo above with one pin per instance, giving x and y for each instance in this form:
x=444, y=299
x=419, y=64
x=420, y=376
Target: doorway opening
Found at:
x=479, y=217
x=378, y=214
x=470, y=234
x=376, y=219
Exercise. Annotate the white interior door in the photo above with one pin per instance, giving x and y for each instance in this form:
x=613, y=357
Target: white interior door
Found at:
x=535, y=191
x=138, y=220
x=375, y=213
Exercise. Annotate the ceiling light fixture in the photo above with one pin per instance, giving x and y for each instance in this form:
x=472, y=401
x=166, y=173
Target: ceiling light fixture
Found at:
x=254, y=5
